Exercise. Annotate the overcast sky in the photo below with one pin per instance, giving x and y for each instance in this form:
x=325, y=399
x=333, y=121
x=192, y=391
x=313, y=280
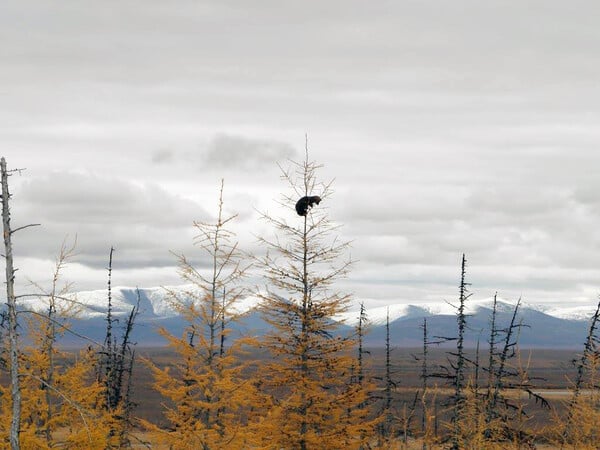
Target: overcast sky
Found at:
x=449, y=127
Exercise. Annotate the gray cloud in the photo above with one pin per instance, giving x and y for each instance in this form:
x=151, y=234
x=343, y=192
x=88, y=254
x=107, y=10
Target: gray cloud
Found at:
x=142, y=220
x=445, y=132
x=227, y=151
x=163, y=156
x=105, y=199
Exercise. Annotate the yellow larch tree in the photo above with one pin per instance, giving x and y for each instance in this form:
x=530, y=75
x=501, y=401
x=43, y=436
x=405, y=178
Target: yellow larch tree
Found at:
x=58, y=390
x=208, y=400
x=315, y=403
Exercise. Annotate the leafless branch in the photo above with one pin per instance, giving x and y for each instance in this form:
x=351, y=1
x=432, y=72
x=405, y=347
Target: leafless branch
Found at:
x=25, y=226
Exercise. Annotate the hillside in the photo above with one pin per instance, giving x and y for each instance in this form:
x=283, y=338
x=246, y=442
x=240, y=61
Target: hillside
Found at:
x=562, y=327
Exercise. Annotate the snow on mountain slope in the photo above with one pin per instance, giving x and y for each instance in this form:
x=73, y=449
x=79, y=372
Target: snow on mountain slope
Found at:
x=157, y=302
x=378, y=315
x=578, y=312
x=549, y=326
x=154, y=302
x=90, y=304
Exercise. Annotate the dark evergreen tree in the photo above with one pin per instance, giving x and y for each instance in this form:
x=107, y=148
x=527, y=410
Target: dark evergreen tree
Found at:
x=115, y=368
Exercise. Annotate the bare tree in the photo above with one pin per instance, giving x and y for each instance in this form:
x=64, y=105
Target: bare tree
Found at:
x=116, y=367
x=360, y=333
x=583, y=364
x=461, y=360
x=12, y=309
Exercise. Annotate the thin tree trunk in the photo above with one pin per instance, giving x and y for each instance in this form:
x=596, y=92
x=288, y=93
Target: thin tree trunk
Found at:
x=360, y=333
x=490, y=411
x=15, y=426
x=582, y=365
x=109, y=344
x=459, y=379
x=388, y=380
x=50, y=339
x=424, y=385
x=223, y=306
x=305, y=313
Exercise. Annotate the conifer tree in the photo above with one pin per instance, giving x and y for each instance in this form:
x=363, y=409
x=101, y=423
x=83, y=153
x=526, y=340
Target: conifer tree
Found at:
x=363, y=321
x=458, y=366
x=58, y=393
x=314, y=404
x=209, y=397
x=455, y=371
x=386, y=427
x=72, y=419
x=41, y=356
x=428, y=429
x=580, y=428
x=114, y=370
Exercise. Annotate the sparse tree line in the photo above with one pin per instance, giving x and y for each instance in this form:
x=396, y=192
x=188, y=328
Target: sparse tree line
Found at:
x=312, y=388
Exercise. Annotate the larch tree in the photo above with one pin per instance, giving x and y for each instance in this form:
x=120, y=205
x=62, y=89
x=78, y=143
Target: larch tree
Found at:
x=40, y=369
x=455, y=371
x=363, y=322
x=387, y=425
x=58, y=394
x=315, y=404
x=580, y=427
x=458, y=366
x=114, y=369
x=209, y=398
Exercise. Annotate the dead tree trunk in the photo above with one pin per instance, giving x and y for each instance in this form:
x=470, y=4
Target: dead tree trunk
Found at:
x=582, y=364
x=15, y=425
x=386, y=425
x=458, y=377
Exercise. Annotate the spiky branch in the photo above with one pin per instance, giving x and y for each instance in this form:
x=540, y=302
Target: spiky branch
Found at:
x=589, y=351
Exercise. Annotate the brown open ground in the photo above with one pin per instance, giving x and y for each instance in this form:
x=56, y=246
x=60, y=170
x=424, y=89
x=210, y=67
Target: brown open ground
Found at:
x=550, y=372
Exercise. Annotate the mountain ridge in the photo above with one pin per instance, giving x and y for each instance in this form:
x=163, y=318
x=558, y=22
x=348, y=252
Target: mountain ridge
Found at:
x=547, y=325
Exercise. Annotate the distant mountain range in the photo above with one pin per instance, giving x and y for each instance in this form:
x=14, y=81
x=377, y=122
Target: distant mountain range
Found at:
x=543, y=326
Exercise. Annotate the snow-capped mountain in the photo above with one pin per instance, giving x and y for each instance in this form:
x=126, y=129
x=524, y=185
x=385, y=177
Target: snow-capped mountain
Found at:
x=155, y=302
x=579, y=312
x=378, y=315
x=547, y=326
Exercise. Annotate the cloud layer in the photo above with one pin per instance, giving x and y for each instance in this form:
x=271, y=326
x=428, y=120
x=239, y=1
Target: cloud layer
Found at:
x=449, y=128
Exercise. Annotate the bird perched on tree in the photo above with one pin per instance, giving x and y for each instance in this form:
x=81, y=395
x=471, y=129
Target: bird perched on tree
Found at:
x=305, y=203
